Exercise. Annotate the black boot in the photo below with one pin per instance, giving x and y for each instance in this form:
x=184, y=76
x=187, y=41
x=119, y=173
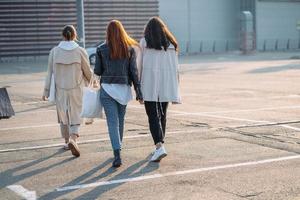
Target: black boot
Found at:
x=117, y=161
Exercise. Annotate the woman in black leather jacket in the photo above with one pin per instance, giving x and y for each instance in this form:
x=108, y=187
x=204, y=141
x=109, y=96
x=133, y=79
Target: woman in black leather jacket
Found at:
x=116, y=64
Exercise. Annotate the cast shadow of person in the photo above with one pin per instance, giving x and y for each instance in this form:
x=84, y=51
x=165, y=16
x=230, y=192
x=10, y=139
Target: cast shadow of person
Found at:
x=9, y=176
x=140, y=168
x=79, y=180
x=132, y=171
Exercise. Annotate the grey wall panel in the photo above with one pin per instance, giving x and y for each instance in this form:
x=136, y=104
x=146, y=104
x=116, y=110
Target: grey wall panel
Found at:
x=196, y=22
x=276, y=24
x=174, y=13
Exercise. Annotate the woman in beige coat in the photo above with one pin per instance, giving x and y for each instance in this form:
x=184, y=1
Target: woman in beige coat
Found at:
x=69, y=64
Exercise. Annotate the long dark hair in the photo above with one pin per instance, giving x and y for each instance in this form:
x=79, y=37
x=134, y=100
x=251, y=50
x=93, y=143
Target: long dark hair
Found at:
x=158, y=36
x=118, y=40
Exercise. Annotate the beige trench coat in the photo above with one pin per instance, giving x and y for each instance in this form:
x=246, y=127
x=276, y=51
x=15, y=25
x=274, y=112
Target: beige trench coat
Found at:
x=71, y=70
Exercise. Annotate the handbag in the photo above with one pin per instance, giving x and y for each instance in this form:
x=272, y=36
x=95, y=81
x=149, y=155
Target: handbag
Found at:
x=51, y=97
x=6, y=109
x=91, y=104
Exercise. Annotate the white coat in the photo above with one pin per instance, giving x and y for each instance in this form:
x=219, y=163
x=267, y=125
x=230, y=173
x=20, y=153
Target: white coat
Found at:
x=159, y=74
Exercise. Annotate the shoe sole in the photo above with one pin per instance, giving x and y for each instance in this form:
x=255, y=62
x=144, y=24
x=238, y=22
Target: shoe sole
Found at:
x=74, y=150
x=116, y=166
x=159, y=158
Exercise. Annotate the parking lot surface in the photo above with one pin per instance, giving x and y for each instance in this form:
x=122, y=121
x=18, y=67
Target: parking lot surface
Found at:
x=236, y=136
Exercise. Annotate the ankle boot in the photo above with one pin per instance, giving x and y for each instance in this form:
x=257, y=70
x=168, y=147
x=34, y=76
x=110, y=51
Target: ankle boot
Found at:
x=117, y=161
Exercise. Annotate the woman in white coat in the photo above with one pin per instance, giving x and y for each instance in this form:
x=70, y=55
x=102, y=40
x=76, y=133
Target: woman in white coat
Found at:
x=69, y=64
x=159, y=79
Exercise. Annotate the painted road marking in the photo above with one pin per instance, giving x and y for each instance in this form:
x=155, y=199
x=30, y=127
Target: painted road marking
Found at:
x=21, y=191
x=33, y=112
x=31, y=103
x=181, y=113
x=178, y=114
x=25, y=127
x=88, y=141
x=266, y=124
x=38, y=126
x=176, y=173
x=247, y=110
x=290, y=127
x=291, y=96
x=224, y=117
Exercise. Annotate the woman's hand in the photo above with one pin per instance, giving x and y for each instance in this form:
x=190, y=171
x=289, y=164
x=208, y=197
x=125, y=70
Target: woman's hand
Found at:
x=44, y=98
x=141, y=101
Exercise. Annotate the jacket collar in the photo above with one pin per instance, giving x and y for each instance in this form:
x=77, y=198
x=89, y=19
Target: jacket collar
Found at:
x=68, y=45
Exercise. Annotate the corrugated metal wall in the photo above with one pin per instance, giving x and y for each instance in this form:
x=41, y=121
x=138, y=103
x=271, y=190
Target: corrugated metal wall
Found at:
x=33, y=27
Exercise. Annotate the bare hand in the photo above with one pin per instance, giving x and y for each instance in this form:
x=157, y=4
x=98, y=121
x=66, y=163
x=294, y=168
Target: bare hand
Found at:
x=96, y=84
x=141, y=102
x=44, y=98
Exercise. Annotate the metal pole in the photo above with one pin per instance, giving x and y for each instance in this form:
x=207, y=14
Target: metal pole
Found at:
x=80, y=23
x=299, y=40
x=189, y=25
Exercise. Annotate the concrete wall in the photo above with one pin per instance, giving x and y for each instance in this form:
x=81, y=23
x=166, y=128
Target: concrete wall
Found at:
x=276, y=25
x=202, y=25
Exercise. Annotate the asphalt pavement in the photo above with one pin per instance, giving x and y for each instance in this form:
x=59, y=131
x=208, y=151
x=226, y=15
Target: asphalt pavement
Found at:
x=236, y=136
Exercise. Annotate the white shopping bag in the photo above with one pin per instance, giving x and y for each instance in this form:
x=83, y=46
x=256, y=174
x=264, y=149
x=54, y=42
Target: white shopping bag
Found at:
x=91, y=104
x=51, y=97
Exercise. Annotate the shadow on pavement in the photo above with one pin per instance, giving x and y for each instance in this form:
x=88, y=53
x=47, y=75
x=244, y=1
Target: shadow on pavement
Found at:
x=275, y=69
x=95, y=193
x=9, y=176
x=36, y=108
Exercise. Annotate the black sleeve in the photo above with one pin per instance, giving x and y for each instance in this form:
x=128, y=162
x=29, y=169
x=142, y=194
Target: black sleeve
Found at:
x=133, y=75
x=98, y=70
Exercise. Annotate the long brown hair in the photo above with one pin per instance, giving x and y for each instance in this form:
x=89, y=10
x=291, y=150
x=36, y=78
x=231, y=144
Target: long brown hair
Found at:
x=118, y=40
x=157, y=35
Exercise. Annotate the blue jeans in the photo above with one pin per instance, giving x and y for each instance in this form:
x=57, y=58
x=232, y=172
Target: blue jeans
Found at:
x=115, y=113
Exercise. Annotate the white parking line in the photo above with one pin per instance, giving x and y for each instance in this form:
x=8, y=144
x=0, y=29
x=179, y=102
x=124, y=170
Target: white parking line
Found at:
x=247, y=110
x=290, y=127
x=283, y=123
x=23, y=192
x=229, y=118
x=234, y=119
x=30, y=103
x=33, y=112
x=204, y=114
x=176, y=173
x=37, y=126
x=245, y=120
x=178, y=114
x=25, y=127
x=87, y=141
x=291, y=96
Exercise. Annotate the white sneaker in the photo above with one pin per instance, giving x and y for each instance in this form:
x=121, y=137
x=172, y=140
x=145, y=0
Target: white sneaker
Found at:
x=89, y=121
x=159, y=154
x=66, y=147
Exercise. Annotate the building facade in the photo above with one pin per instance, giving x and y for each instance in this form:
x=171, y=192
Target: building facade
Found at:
x=32, y=27
x=215, y=25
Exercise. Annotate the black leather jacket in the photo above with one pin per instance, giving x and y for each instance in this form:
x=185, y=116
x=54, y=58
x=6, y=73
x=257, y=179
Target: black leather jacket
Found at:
x=119, y=71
